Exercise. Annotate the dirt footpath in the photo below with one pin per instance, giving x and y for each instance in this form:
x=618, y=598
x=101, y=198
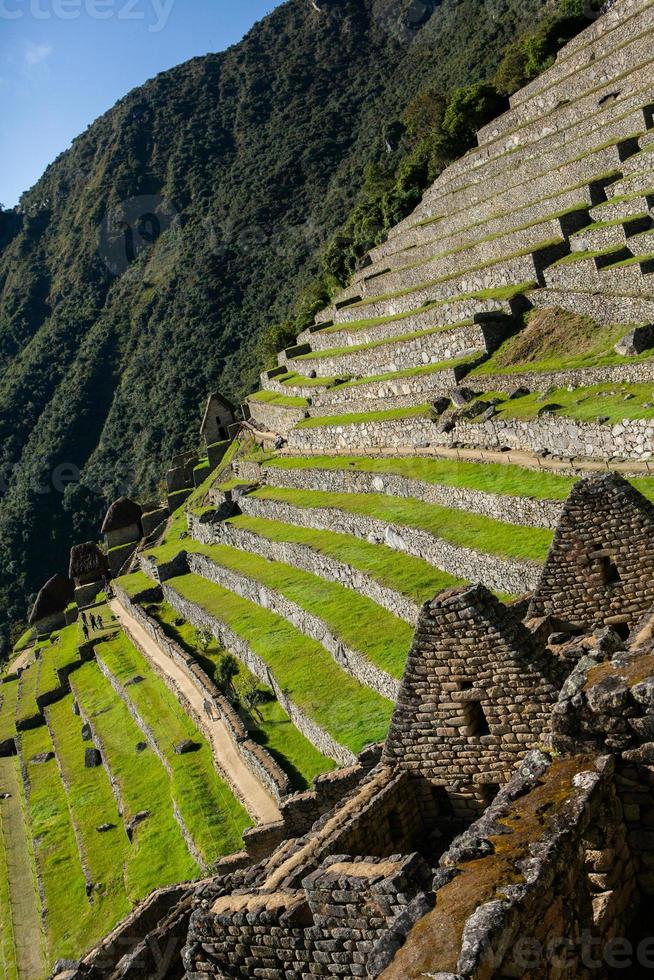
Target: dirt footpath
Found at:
x=256, y=798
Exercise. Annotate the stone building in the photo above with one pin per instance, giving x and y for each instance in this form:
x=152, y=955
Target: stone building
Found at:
x=88, y=568
x=219, y=415
x=123, y=529
x=477, y=693
x=48, y=612
x=600, y=569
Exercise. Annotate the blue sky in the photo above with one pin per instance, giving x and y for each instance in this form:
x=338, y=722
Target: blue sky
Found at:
x=65, y=62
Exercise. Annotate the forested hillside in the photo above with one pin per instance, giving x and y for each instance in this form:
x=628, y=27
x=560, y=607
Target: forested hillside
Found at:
x=150, y=258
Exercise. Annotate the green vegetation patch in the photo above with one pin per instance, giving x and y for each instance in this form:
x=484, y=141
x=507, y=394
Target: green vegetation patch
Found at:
x=69, y=918
x=8, y=965
x=158, y=854
x=353, y=418
x=283, y=401
x=270, y=726
x=614, y=402
x=411, y=577
x=210, y=811
x=467, y=531
x=62, y=651
x=29, y=685
x=357, y=621
x=9, y=700
x=556, y=340
x=135, y=583
x=302, y=667
x=92, y=804
x=498, y=478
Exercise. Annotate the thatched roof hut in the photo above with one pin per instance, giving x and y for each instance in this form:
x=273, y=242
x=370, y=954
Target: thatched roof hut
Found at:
x=54, y=597
x=122, y=513
x=87, y=560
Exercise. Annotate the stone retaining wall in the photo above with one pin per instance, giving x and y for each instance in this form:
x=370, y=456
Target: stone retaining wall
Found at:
x=352, y=661
x=505, y=575
x=634, y=373
x=541, y=923
x=255, y=757
x=528, y=511
x=632, y=439
x=309, y=560
x=522, y=268
x=275, y=418
x=236, y=645
x=427, y=348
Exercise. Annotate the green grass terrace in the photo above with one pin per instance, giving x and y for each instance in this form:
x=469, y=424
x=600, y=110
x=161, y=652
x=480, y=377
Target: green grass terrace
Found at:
x=301, y=666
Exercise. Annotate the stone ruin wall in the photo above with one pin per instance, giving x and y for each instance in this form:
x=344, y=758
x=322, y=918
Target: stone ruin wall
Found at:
x=601, y=563
x=477, y=694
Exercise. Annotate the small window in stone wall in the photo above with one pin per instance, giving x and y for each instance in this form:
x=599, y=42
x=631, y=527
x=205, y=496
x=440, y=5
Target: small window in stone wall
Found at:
x=476, y=721
x=489, y=791
x=608, y=568
x=395, y=827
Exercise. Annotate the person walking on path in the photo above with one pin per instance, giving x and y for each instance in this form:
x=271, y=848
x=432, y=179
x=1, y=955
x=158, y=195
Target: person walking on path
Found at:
x=85, y=629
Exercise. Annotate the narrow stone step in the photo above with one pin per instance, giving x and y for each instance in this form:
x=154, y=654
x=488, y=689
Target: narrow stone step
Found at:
x=624, y=207
x=634, y=275
x=405, y=352
x=590, y=85
x=516, y=188
x=641, y=182
x=505, y=273
x=612, y=234
x=628, y=117
x=486, y=248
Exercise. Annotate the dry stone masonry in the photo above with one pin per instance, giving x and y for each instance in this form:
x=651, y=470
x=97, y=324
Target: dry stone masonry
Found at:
x=504, y=829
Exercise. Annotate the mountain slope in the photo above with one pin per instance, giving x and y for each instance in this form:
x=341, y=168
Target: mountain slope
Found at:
x=151, y=255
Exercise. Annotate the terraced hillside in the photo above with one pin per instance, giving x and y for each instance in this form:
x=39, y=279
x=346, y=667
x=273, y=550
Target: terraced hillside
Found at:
x=551, y=212
x=109, y=789
x=439, y=411
x=434, y=420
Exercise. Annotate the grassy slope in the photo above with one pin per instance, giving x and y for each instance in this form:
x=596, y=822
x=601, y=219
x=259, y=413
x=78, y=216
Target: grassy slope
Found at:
x=92, y=804
x=356, y=621
x=9, y=695
x=616, y=402
x=481, y=533
x=412, y=577
x=68, y=911
x=158, y=854
x=294, y=753
x=356, y=718
x=61, y=652
x=497, y=478
x=7, y=941
x=555, y=340
x=211, y=813
x=29, y=683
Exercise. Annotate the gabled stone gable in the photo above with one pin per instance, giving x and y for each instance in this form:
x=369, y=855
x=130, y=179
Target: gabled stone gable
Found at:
x=477, y=692
x=600, y=569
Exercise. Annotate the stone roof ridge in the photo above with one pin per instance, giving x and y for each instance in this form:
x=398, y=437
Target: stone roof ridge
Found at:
x=85, y=558
x=53, y=598
x=122, y=513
